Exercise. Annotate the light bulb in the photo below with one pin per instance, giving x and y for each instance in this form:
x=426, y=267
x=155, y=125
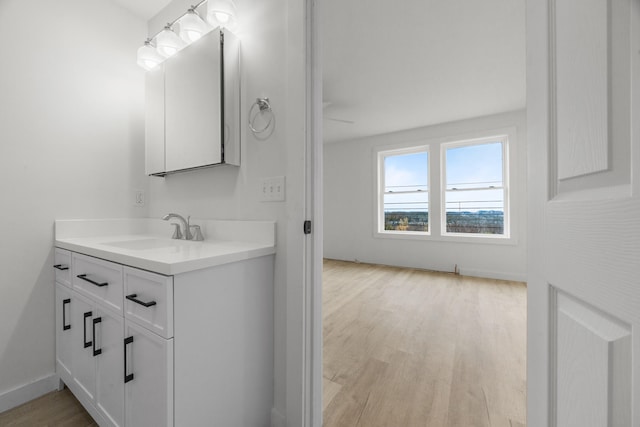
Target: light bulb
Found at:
x=222, y=13
x=223, y=18
x=148, y=57
x=168, y=43
x=192, y=27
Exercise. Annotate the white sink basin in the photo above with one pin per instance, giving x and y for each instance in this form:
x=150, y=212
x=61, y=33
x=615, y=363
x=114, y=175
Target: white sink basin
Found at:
x=148, y=244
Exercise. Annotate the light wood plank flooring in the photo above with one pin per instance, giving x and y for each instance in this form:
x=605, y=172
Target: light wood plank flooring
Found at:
x=402, y=348
x=406, y=348
x=57, y=409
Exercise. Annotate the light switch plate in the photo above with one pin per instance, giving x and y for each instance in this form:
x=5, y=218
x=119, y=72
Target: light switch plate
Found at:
x=272, y=189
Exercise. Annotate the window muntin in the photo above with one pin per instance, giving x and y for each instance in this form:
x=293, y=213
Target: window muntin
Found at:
x=475, y=188
x=404, y=191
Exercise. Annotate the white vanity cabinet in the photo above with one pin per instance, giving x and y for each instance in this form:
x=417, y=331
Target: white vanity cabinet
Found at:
x=89, y=342
x=141, y=349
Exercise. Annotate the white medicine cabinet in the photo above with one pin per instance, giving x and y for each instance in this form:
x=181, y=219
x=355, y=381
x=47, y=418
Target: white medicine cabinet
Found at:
x=193, y=107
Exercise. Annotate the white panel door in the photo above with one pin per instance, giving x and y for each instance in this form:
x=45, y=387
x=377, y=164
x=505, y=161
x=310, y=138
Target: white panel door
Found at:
x=583, y=74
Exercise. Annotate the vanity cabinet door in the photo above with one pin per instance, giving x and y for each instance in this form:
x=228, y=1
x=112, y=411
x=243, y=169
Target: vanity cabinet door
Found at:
x=64, y=341
x=149, y=382
x=84, y=364
x=108, y=350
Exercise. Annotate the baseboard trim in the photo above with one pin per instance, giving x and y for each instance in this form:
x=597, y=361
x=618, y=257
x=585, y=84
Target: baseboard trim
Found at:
x=493, y=275
x=25, y=393
x=277, y=420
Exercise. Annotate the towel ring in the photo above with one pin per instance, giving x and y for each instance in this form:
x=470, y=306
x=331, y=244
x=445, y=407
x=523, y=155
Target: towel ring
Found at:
x=263, y=106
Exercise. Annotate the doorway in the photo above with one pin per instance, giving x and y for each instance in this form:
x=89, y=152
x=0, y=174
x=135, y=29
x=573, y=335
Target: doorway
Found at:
x=372, y=90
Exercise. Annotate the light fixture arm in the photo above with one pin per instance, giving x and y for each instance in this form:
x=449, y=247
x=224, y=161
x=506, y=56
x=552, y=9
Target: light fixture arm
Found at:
x=170, y=24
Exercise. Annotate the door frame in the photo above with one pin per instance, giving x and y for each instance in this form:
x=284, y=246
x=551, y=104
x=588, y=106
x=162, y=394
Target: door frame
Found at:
x=313, y=249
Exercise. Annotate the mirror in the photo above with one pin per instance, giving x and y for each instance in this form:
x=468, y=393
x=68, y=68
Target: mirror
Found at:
x=193, y=107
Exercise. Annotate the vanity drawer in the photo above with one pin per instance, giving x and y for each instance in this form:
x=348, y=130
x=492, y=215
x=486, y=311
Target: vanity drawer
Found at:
x=62, y=266
x=98, y=279
x=149, y=300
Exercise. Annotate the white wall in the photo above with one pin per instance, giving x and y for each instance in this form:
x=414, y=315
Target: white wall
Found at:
x=71, y=117
x=349, y=206
x=271, y=34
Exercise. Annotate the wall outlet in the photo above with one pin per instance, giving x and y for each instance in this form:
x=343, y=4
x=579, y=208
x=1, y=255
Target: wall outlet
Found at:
x=138, y=198
x=272, y=189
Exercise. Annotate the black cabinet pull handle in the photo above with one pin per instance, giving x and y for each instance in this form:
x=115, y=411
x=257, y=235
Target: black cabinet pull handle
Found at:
x=99, y=350
x=65, y=327
x=127, y=377
x=61, y=267
x=93, y=282
x=84, y=332
x=132, y=297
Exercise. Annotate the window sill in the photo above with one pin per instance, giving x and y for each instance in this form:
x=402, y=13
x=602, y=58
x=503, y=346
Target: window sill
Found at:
x=451, y=238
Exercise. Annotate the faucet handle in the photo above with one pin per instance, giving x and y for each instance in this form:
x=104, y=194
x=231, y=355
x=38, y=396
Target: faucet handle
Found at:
x=177, y=234
x=197, y=235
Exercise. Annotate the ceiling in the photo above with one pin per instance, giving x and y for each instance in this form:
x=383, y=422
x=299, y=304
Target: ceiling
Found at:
x=144, y=9
x=391, y=66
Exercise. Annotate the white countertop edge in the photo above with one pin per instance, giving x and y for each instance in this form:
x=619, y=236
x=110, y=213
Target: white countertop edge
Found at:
x=166, y=268
x=262, y=232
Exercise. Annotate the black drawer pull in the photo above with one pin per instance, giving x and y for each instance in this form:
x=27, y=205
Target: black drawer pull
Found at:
x=129, y=377
x=84, y=332
x=61, y=267
x=65, y=327
x=99, y=350
x=132, y=297
x=93, y=282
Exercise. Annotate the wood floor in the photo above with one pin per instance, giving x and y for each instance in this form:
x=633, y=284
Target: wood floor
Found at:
x=408, y=348
x=57, y=409
x=402, y=348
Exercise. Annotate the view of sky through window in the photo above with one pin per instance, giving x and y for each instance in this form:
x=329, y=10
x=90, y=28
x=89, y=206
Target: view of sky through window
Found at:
x=474, y=178
x=473, y=194
x=406, y=192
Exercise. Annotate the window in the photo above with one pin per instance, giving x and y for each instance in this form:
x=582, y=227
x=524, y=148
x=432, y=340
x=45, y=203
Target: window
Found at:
x=469, y=186
x=475, y=188
x=403, y=191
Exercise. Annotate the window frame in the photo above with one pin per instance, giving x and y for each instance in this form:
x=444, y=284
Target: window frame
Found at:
x=381, y=154
x=504, y=140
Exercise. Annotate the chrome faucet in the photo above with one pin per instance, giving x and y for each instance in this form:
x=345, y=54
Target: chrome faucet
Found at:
x=185, y=225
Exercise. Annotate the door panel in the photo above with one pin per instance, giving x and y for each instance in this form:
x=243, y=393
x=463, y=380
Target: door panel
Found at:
x=590, y=87
x=581, y=50
x=593, y=355
x=584, y=226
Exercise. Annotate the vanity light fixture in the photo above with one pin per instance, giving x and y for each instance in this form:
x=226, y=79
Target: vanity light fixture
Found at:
x=222, y=13
x=192, y=27
x=148, y=56
x=168, y=43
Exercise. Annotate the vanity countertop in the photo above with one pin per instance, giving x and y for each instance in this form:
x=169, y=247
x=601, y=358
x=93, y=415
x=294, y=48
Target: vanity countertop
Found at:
x=140, y=243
